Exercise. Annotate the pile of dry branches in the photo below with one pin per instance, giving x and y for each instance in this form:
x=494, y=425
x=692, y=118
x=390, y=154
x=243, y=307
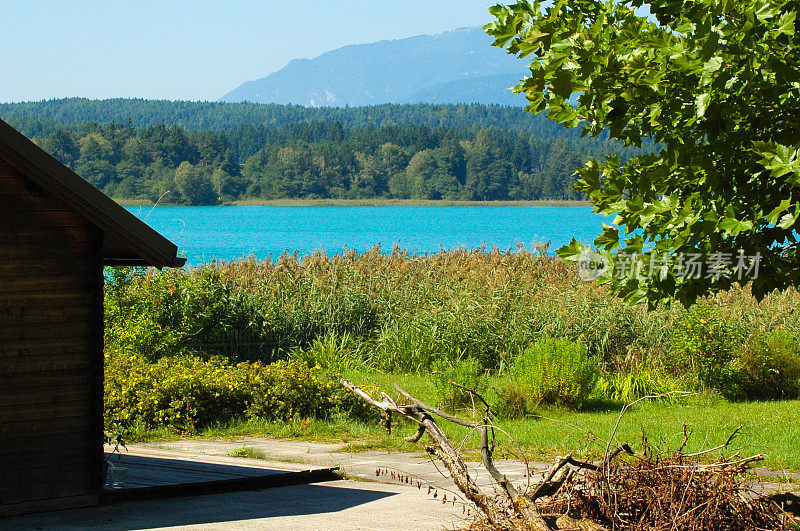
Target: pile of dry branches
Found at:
x=665, y=492
x=652, y=491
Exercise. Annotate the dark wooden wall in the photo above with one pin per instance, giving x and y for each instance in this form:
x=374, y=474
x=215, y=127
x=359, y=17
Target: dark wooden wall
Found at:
x=51, y=333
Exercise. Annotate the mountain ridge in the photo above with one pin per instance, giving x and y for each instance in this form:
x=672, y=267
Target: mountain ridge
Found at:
x=418, y=69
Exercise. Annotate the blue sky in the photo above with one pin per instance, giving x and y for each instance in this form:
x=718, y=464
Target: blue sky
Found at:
x=191, y=50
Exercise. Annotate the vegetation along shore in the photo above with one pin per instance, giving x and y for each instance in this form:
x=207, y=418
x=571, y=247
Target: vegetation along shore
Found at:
x=195, y=153
x=256, y=348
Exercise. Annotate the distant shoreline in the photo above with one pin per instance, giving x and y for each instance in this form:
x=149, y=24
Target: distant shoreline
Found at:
x=374, y=202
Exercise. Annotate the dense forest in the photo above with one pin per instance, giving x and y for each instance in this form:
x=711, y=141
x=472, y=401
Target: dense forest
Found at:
x=43, y=117
x=219, y=153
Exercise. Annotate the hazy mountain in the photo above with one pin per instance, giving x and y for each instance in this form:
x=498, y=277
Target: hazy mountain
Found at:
x=486, y=90
x=456, y=67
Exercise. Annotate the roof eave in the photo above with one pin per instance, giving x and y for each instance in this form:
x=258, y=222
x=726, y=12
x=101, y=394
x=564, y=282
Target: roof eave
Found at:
x=150, y=246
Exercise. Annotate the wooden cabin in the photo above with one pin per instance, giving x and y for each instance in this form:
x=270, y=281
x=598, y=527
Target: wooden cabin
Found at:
x=56, y=234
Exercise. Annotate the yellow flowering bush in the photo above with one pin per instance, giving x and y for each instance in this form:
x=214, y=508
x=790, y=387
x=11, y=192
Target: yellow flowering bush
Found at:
x=186, y=392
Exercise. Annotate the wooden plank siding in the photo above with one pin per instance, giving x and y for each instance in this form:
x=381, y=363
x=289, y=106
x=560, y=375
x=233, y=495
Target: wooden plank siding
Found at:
x=51, y=362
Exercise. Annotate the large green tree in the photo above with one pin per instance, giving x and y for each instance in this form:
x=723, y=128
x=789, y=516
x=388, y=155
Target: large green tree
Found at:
x=716, y=85
x=194, y=184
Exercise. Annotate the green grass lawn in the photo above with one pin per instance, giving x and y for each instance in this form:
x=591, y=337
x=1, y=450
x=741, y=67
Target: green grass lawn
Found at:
x=770, y=428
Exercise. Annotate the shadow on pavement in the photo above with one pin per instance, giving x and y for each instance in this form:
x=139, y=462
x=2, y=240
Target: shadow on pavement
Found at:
x=228, y=507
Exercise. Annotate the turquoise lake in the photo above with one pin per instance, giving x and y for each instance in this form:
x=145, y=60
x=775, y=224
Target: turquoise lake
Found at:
x=227, y=233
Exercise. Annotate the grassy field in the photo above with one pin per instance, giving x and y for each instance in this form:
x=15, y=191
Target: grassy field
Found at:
x=768, y=428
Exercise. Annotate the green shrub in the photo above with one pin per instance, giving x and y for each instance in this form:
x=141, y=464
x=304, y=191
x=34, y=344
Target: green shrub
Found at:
x=510, y=402
x=771, y=367
x=332, y=351
x=178, y=392
x=702, y=344
x=468, y=372
x=643, y=380
x=170, y=313
x=185, y=392
x=556, y=371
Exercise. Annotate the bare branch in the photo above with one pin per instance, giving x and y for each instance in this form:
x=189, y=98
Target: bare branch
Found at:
x=719, y=447
x=365, y=397
x=444, y=450
x=436, y=411
x=486, y=458
x=417, y=436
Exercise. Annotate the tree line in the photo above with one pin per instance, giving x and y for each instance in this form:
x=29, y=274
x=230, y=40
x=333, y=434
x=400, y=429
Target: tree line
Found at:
x=44, y=117
x=315, y=160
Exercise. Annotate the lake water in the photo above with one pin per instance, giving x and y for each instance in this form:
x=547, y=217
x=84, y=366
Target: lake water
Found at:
x=226, y=233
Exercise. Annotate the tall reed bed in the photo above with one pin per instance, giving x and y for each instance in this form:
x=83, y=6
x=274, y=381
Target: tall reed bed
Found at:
x=400, y=312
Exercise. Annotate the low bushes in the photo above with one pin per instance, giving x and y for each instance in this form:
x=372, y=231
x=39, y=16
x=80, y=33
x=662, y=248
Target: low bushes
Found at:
x=556, y=371
x=466, y=372
x=510, y=402
x=706, y=346
x=522, y=318
x=185, y=392
x=770, y=367
x=168, y=313
x=764, y=366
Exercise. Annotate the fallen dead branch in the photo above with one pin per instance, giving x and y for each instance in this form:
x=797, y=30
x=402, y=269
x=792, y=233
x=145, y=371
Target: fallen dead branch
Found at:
x=513, y=510
x=447, y=454
x=652, y=491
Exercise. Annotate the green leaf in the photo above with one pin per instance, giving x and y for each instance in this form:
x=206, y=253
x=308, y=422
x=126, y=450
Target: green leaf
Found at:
x=712, y=65
x=772, y=217
x=571, y=252
x=789, y=219
x=701, y=102
x=735, y=226
x=609, y=240
x=562, y=84
x=786, y=23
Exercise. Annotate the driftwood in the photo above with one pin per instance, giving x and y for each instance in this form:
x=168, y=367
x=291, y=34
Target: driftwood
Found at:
x=446, y=452
x=524, y=514
x=645, y=492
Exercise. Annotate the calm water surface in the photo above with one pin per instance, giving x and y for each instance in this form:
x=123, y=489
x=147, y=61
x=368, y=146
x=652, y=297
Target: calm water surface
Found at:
x=226, y=233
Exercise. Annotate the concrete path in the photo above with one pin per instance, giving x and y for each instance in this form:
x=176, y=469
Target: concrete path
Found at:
x=333, y=505
x=375, y=502
x=362, y=465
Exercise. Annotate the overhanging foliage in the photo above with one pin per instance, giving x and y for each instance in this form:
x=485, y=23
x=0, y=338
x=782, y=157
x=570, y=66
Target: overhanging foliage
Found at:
x=716, y=84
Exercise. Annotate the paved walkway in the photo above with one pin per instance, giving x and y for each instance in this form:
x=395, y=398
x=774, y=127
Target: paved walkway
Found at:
x=362, y=465
x=378, y=502
x=329, y=506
